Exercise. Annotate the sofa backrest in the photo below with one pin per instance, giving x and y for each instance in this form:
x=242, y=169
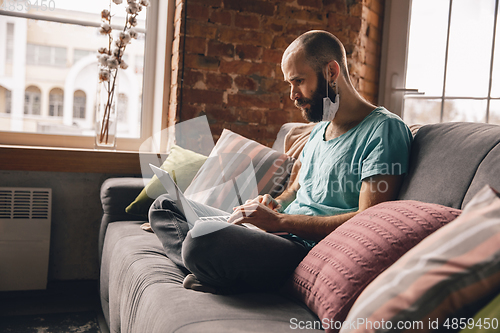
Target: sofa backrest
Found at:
x=450, y=162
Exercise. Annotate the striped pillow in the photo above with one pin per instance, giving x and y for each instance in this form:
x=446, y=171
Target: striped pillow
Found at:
x=451, y=271
x=239, y=169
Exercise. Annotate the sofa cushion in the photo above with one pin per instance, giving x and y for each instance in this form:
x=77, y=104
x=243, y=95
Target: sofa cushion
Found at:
x=182, y=164
x=488, y=173
x=239, y=169
x=448, y=274
x=335, y=271
x=444, y=159
x=142, y=291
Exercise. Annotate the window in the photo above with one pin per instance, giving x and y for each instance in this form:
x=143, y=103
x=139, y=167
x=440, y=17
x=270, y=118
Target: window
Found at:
x=79, y=104
x=122, y=107
x=56, y=100
x=32, y=101
x=9, y=47
x=44, y=55
x=443, y=66
x=8, y=101
x=54, y=45
x=5, y=100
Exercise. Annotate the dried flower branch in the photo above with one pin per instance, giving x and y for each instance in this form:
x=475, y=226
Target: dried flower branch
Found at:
x=110, y=58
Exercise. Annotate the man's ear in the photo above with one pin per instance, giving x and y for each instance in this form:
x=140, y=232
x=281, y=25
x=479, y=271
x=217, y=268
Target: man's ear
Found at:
x=332, y=71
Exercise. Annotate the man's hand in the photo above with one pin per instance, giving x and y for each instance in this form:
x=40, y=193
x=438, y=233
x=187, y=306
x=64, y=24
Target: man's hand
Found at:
x=267, y=201
x=259, y=215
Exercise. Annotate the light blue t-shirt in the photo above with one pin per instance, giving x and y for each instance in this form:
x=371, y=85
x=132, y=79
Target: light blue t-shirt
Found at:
x=332, y=171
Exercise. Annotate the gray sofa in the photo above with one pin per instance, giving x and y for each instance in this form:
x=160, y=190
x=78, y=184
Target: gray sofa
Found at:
x=141, y=289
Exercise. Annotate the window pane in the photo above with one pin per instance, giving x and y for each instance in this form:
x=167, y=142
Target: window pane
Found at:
x=464, y=110
x=52, y=51
x=422, y=111
x=495, y=87
x=494, y=117
x=471, y=37
x=428, y=28
x=9, y=51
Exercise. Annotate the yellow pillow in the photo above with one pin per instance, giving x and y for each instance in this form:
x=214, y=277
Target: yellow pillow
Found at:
x=182, y=164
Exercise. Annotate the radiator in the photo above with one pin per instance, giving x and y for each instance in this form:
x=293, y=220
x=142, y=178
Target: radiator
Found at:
x=25, y=217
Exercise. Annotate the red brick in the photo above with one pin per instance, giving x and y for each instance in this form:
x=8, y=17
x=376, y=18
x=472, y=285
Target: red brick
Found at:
x=245, y=37
x=298, y=29
x=249, y=52
x=273, y=56
x=310, y=3
x=265, y=101
x=247, y=21
x=273, y=24
x=336, y=20
x=190, y=111
x=221, y=17
x=252, y=116
x=191, y=78
x=275, y=86
x=200, y=30
x=282, y=42
x=356, y=9
x=338, y=6
x=354, y=23
x=251, y=131
x=220, y=113
x=201, y=96
x=195, y=45
x=197, y=11
x=217, y=49
x=216, y=81
x=301, y=15
x=246, y=68
x=371, y=17
x=372, y=59
x=246, y=83
x=201, y=62
x=252, y=6
x=212, y=3
x=377, y=6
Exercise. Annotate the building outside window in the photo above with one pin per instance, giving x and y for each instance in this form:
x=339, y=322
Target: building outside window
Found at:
x=54, y=47
x=122, y=107
x=45, y=55
x=8, y=101
x=9, y=49
x=56, y=100
x=32, y=101
x=79, y=104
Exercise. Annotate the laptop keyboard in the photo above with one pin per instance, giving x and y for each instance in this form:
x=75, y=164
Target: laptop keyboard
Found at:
x=215, y=218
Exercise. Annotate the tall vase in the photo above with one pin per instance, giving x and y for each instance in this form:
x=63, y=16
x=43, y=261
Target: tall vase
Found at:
x=106, y=112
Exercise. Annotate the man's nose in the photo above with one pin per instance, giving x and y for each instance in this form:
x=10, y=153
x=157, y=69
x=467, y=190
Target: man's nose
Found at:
x=294, y=93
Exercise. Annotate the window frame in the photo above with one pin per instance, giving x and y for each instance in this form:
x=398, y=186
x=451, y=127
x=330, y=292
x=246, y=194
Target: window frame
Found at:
x=158, y=42
x=392, y=88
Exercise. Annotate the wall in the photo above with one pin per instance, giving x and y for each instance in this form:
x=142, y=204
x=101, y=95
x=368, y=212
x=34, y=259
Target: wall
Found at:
x=76, y=217
x=227, y=53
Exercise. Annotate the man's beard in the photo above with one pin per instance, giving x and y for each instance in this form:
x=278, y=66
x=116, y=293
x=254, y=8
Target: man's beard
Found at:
x=314, y=112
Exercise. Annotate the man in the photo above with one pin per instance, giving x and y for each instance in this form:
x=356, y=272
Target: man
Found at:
x=355, y=158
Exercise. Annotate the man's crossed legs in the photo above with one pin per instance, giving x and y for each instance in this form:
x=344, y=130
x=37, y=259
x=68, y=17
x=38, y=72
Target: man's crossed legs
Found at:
x=231, y=259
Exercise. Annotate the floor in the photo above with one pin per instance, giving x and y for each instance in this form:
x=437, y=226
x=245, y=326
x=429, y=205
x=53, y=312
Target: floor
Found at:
x=59, y=297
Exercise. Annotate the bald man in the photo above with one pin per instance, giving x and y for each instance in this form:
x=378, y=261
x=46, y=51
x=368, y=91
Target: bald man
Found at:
x=355, y=158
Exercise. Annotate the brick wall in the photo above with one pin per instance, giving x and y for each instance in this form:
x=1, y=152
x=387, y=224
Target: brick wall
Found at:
x=227, y=54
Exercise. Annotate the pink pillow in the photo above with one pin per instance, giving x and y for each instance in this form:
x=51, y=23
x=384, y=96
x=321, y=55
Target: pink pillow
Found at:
x=336, y=271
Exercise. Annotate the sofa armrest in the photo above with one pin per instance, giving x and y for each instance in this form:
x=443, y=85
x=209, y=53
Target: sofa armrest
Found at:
x=116, y=195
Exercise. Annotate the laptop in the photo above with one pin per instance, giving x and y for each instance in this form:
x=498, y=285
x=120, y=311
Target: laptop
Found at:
x=183, y=204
